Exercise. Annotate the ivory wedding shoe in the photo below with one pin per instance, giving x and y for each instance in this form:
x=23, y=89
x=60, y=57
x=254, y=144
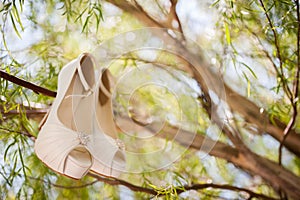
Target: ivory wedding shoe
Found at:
x=79, y=133
x=62, y=143
x=109, y=155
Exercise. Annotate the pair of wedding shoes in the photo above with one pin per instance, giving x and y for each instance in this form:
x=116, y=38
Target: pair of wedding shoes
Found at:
x=79, y=134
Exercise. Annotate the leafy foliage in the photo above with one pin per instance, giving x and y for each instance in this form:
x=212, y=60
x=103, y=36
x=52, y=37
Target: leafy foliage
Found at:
x=252, y=43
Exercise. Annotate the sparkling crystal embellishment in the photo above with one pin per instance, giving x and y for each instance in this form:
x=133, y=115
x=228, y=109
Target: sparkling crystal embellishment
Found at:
x=120, y=144
x=83, y=138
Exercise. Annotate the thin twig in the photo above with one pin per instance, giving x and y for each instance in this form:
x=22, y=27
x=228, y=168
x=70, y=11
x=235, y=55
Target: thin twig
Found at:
x=161, y=8
x=287, y=129
x=297, y=76
x=139, y=8
x=27, y=113
x=277, y=46
x=286, y=133
x=115, y=181
x=32, y=137
x=175, y=17
x=26, y=84
x=64, y=186
x=263, y=49
x=295, y=98
x=225, y=187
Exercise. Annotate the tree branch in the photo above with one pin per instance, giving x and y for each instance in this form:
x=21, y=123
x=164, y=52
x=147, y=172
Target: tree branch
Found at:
x=263, y=49
x=64, y=186
x=115, y=181
x=226, y=187
x=174, y=16
x=297, y=76
x=246, y=159
x=203, y=75
x=288, y=128
x=273, y=130
x=185, y=138
x=253, y=163
x=269, y=170
x=32, y=137
x=286, y=132
x=35, y=88
x=295, y=98
x=243, y=158
x=29, y=111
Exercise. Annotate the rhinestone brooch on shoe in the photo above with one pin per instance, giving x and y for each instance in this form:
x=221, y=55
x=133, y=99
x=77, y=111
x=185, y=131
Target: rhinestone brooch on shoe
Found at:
x=120, y=144
x=83, y=138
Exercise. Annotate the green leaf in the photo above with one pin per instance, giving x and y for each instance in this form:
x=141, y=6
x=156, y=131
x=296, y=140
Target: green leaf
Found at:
x=3, y=175
x=14, y=26
x=22, y=160
x=17, y=16
x=227, y=33
x=85, y=25
x=81, y=14
x=249, y=68
x=7, y=148
x=214, y=3
x=248, y=84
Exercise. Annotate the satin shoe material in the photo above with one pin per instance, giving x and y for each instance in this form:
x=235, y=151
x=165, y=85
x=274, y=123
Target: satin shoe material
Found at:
x=79, y=133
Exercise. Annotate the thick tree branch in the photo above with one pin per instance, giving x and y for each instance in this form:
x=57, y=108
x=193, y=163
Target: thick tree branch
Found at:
x=278, y=176
x=214, y=148
x=185, y=138
x=35, y=88
x=255, y=164
x=250, y=162
x=251, y=112
x=204, y=75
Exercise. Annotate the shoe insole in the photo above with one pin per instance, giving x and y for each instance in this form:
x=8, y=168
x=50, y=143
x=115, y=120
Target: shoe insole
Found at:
x=81, y=157
x=104, y=110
